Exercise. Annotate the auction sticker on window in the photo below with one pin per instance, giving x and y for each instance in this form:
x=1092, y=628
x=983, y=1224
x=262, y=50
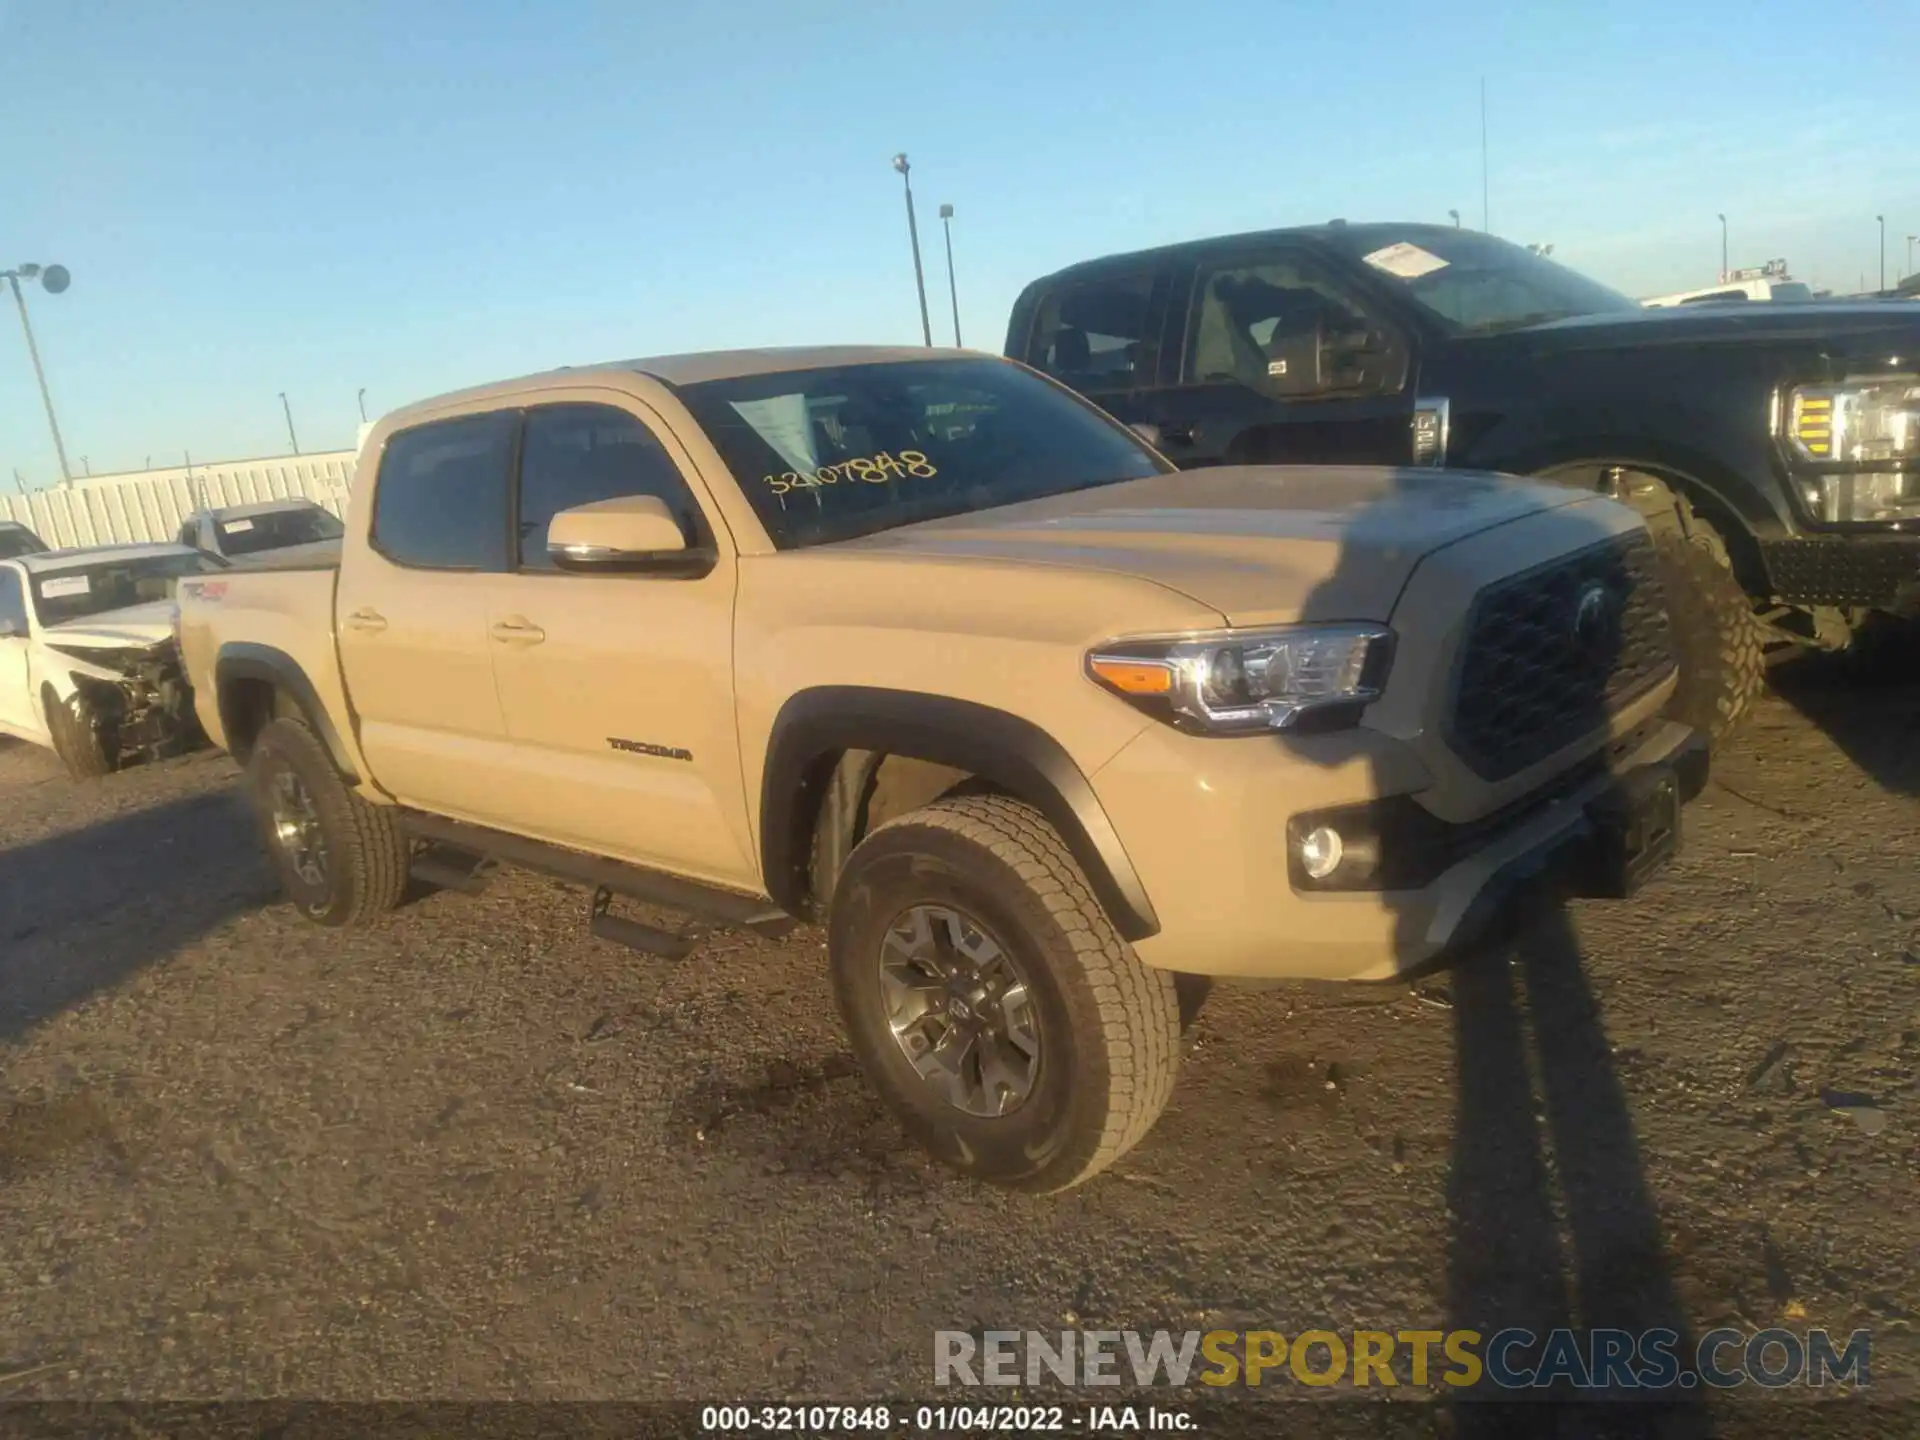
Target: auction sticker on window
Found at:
x=61, y=586
x=237, y=527
x=1409, y=262
x=878, y=469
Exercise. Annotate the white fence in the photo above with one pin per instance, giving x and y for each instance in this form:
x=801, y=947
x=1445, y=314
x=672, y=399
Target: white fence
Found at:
x=150, y=504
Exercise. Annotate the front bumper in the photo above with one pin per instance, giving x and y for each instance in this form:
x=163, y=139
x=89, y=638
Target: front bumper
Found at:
x=1213, y=849
x=1864, y=571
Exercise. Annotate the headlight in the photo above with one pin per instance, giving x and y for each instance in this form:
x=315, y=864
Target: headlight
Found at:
x=1862, y=424
x=1235, y=682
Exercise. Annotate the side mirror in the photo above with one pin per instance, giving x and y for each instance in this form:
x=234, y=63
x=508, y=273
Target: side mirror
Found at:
x=630, y=534
x=1146, y=431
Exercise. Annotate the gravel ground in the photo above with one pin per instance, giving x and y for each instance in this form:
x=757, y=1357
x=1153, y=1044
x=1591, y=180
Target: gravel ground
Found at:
x=475, y=1153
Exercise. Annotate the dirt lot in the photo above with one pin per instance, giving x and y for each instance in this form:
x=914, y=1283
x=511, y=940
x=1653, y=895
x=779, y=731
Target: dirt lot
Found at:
x=476, y=1153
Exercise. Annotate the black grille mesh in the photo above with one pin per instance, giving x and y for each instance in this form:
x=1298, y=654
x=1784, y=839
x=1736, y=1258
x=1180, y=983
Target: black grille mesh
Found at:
x=1532, y=679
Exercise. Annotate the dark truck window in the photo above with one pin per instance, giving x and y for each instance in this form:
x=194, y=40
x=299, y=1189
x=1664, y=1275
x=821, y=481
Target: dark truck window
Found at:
x=440, y=501
x=18, y=540
x=276, y=530
x=829, y=454
x=1476, y=283
x=1093, y=335
x=1284, y=326
x=577, y=454
x=75, y=592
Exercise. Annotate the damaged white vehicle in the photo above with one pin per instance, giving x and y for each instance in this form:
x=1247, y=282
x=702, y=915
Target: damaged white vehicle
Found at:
x=89, y=663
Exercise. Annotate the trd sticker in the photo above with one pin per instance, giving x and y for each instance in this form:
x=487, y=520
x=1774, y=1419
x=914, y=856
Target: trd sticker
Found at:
x=642, y=747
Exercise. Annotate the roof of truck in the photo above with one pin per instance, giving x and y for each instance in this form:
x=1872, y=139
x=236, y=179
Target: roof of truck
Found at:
x=48, y=560
x=694, y=367
x=260, y=507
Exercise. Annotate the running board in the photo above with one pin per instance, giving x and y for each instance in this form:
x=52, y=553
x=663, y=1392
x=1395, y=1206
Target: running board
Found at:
x=604, y=925
x=446, y=868
x=649, y=887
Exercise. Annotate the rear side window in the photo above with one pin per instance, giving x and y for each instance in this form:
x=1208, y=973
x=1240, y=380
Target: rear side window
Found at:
x=13, y=603
x=577, y=454
x=18, y=540
x=1093, y=336
x=441, y=499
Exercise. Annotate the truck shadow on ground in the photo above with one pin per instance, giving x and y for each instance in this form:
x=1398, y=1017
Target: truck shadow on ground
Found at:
x=1873, y=717
x=82, y=911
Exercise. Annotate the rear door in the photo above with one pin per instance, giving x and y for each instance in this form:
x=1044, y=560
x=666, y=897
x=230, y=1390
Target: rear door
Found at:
x=17, y=710
x=1101, y=336
x=412, y=614
x=1284, y=359
x=618, y=689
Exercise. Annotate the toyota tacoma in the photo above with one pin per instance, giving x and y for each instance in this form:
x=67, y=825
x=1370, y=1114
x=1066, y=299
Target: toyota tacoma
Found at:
x=932, y=651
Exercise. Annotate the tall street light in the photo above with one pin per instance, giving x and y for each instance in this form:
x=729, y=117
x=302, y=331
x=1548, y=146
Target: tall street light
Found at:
x=53, y=279
x=1910, y=240
x=913, y=235
x=363, y=404
x=953, y=292
x=1724, y=270
x=1456, y=218
x=287, y=409
x=1883, y=250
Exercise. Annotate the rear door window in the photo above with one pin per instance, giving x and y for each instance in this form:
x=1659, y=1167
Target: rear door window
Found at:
x=440, y=502
x=1095, y=335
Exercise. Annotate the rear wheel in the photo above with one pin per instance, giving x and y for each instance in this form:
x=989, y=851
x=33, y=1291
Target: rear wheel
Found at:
x=989, y=1000
x=341, y=861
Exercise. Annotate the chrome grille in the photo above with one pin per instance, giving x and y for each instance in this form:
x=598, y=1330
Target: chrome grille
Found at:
x=1552, y=652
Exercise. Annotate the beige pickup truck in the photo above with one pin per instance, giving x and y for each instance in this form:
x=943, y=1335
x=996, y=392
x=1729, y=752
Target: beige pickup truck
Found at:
x=923, y=647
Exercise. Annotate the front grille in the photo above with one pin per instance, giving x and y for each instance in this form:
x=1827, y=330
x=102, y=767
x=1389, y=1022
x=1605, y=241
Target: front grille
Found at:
x=1552, y=653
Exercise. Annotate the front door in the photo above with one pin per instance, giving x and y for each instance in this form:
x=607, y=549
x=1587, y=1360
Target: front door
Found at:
x=1284, y=362
x=18, y=711
x=618, y=689
x=412, y=615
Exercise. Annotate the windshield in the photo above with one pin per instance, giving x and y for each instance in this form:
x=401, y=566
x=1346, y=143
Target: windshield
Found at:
x=826, y=455
x=1476, y=283
x=80, y=591
x=277, y=529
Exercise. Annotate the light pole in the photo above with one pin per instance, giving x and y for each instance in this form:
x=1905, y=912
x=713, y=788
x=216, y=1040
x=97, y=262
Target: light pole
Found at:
x=53, y=279
x=1724, y=271
x=913, y=235
x=363, y=404
x=953, y=292
x=1883, y=250
x=1456, y=218
x=1910, y=240
x=287, y=409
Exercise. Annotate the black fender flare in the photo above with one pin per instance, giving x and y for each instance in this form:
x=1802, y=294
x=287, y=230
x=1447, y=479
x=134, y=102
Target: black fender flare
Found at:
x=241, y=660
x=815, y=726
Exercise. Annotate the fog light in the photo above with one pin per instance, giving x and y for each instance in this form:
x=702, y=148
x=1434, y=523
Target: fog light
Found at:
x=1321, y=851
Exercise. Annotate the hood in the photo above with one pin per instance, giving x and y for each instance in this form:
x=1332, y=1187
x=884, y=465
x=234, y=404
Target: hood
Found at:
x=136, y=627
x=1258, y=544
x=1866, y=326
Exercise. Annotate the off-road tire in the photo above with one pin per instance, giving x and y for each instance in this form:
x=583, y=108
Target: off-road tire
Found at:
x=366, y=872
x=1717, y=637
x=1109, y=1026
x=81, y=747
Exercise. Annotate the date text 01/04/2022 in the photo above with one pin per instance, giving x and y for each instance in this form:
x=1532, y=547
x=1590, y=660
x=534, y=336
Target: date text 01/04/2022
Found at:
x=943, y=1419
x=878, y=469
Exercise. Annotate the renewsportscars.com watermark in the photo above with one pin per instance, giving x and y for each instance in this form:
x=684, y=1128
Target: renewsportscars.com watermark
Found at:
x=1510, y=1359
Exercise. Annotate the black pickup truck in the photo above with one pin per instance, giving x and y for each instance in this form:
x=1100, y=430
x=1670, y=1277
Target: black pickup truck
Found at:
x=1774, y=448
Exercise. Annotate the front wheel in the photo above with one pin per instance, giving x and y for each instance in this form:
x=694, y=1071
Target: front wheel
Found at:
x=341, y=861
x=987, y=997
x=1719, y=640
x=78, y=737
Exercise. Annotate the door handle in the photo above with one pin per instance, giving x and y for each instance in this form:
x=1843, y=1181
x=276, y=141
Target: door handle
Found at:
x=371, y=621
x=517, y=631
x=1180, y=432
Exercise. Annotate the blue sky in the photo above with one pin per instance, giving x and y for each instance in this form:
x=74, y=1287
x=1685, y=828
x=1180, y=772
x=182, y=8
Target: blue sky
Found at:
x=419, y=194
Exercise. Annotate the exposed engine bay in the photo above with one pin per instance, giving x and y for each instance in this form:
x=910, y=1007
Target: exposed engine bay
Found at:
x=134, y=700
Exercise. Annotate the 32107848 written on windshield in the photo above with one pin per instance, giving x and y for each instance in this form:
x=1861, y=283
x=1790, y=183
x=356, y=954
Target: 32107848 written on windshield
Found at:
x=831, y=454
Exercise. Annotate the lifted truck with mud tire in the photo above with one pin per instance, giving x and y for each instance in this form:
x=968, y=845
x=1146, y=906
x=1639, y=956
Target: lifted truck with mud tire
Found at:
x=932, y=652
x=1774, y=449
